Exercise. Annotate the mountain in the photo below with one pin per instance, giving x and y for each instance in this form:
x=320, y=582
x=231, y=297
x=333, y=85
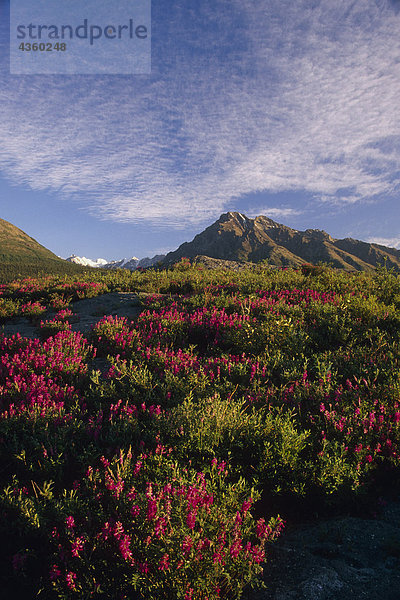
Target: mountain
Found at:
x=131, y=263
x=124, y=263
x=149, y=262
x=86, y=262
x=218, y=263
x=22, y=256
x=236, y=237
x=16, y=245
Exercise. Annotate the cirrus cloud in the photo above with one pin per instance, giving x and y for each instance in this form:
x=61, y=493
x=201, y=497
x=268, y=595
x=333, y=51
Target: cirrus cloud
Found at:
x=248, y=98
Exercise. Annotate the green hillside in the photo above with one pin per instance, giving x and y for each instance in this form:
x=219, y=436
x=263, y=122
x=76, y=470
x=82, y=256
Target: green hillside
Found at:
x=22, y=256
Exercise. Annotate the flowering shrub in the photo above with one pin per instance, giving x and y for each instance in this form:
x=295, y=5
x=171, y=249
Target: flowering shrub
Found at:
x=59, y=302
x=64, y=314
x=66, y=352
x=113, y=334
x=293, y=378
x=82, y=289
x=362, y=433
x=167, y=532
x=33, y=310
x=54, y=326
x=8, y=309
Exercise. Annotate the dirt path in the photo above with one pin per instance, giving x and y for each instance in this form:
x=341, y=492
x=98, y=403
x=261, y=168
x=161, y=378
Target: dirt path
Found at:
x=89, y=311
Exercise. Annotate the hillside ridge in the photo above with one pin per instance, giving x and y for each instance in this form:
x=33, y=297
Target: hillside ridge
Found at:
x=235, y=237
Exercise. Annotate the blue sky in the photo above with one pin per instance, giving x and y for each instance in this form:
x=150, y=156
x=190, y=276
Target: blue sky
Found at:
x=287, y=109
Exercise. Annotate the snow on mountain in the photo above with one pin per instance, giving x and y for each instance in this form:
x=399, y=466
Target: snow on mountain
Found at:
x=125, y=263
x=86, y=262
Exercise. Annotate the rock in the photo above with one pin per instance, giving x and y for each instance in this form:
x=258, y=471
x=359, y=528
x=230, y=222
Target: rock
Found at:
x=322, y=585
x=346, y=558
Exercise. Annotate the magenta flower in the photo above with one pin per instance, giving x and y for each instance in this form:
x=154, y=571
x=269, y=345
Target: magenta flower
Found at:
x=70, y=579
x=124, y=546
x=77, y=546
x=135, y=510
x=54, y=573
x=164, y=563
x=151, y=509
x=191, y=519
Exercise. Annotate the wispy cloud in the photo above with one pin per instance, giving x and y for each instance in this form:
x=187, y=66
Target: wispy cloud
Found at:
x=390, y=242
x=274, y=212
x=251, y=97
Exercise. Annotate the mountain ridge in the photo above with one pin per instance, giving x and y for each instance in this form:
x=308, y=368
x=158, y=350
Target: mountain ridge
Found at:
x=233, y=237
x=22, y=256
x=15, y=243
x=125, y=263
x=236, y=237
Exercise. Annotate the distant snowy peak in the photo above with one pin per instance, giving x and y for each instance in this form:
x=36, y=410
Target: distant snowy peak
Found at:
x=125, y=263
x=134, y=263
x=86, y=262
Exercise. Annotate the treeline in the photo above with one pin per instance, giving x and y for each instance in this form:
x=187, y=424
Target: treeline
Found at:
x=21, y=269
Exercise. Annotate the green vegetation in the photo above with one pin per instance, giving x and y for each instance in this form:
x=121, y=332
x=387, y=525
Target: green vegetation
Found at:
x=25, y=268
x=22, y=256
x=133, y=463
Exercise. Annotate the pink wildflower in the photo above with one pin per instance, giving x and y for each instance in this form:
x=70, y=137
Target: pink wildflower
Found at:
x=124, y=546
x=164, y=563
x=151, y=509
x=191, y=519
x=77, y=546
x=70, y=579
x=70, y=522
x=135, y=510
x=54, y=573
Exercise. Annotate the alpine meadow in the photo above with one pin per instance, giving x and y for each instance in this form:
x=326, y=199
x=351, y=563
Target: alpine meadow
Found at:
x=159, y=457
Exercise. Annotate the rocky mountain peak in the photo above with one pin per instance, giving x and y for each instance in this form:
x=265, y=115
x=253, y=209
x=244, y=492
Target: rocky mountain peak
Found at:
x=235, y=237
x=319, y=234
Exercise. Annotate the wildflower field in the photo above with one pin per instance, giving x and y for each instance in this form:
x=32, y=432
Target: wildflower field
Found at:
x=160, y=458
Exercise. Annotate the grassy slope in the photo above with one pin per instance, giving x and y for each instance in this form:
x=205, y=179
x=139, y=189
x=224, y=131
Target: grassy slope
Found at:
x=22, y=256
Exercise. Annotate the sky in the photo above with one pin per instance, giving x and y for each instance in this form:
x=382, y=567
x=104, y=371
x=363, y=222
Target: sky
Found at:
x=274, y=107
